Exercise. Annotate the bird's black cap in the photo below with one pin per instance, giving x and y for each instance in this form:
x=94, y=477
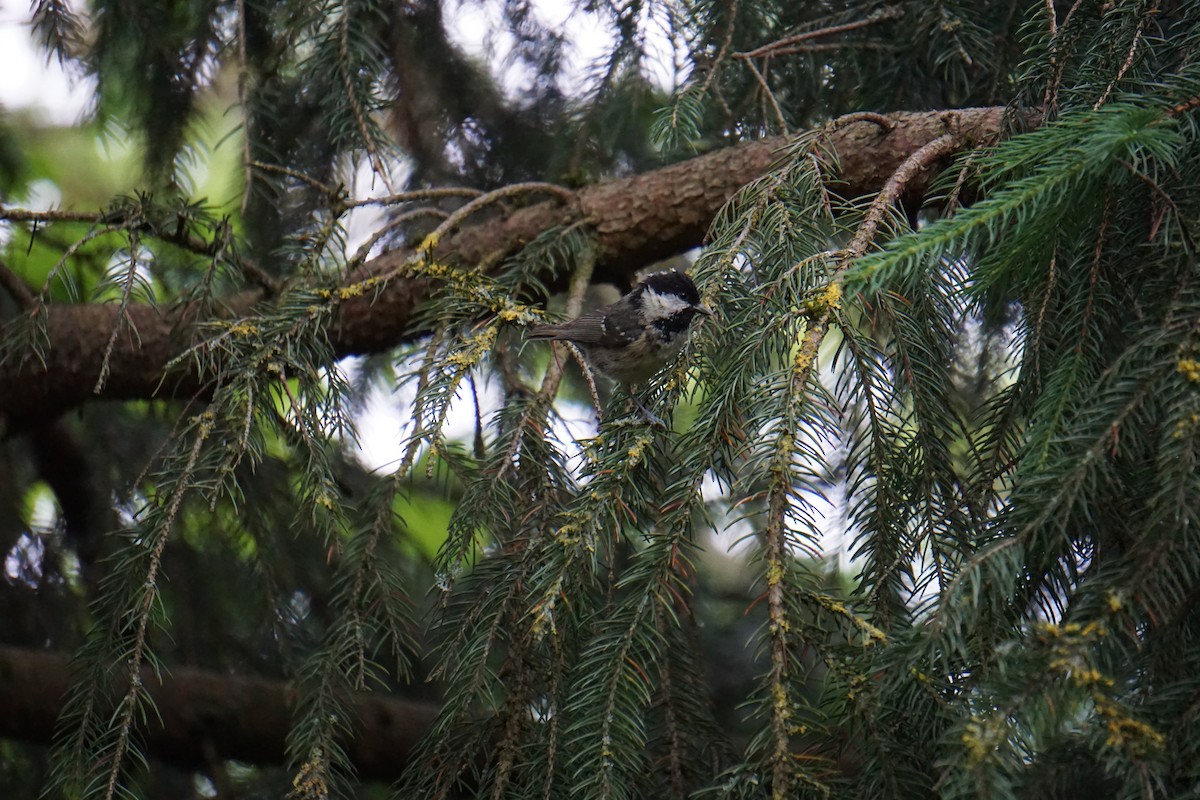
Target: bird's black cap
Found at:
x=672, y=282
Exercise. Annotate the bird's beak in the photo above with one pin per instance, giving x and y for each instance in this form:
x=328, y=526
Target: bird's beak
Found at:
x=705, y=310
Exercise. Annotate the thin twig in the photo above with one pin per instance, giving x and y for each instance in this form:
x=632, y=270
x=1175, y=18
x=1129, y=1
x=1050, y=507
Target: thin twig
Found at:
x=251, y=269
x=1094, y=276
x=1185, y=106
x=300, y=176
x=416, y=194
x=426, y=248
x=1137, y=38
x=1039, y=327
x=122, y=313
x=25, y=215
x=724, y=51
x=956, y=192
x=459, y=216
x=94, y=233
x=882, y=120
x=1071, y=13
x=676, y=747
x=243, y=73
x=1050, y=98
x=399, y=220
x=787, y=41
x=586, y=369
x=923, y=158
x=829, y=47
x=770, y=96
x=181, y=239
x=427, y=364
x=778, y=556
x=1162, y=195
x=377, y=165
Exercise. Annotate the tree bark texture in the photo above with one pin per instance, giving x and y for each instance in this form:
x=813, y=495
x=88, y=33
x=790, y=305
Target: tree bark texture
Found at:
x=636, y=220
x=202, y=713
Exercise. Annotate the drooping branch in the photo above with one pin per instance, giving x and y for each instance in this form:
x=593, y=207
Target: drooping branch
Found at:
x=201, y=712
x=636, y=221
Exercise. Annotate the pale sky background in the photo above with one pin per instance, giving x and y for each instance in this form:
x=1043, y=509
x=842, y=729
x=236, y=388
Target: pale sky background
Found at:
x=27, y=81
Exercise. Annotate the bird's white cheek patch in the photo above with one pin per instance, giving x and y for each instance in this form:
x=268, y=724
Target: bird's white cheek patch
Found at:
x=659, y=306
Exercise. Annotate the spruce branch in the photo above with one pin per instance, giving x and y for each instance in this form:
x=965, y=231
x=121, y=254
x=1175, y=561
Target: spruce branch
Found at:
x=1151, y=10
x=537, y=411
x=637, y=220
x=998, y=407
x=925, y=157
x=676, y=752
x=243, y=717
x=352, y=84
x=129, y=706
x=127, y=282
x=133, y=220
x=59, y=28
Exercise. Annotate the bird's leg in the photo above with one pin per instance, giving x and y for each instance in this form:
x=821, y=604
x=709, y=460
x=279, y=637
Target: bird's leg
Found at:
x=649, y=415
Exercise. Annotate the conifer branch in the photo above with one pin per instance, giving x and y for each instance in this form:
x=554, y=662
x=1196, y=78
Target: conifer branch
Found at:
x=996, y=411
x=636, y=220
x=243, y=717
x=1129, y=56
x=580, y=281
x=365, y=132
x=127, y=281
x=141, y=613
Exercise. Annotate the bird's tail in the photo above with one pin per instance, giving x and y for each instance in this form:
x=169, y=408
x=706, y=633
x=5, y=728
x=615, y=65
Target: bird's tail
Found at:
x=546, y=332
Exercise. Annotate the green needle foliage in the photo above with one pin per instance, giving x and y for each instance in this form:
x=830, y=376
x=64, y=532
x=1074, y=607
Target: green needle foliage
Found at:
x=955, y=433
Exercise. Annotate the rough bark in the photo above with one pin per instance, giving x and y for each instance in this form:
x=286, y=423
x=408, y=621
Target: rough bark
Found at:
x=202, y=713
x=636, y=220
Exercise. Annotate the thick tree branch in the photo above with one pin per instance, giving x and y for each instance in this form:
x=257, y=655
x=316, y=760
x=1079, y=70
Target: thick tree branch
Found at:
x=636, y=220
x=201, y=712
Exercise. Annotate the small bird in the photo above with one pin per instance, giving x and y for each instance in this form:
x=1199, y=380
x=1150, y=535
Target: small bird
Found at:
x=636, y=336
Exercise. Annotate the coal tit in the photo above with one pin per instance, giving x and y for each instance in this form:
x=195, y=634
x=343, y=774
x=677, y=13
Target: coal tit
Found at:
x=636, y=336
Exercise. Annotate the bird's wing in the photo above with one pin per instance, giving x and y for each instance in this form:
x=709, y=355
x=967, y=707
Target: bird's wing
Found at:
x=592, y=328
